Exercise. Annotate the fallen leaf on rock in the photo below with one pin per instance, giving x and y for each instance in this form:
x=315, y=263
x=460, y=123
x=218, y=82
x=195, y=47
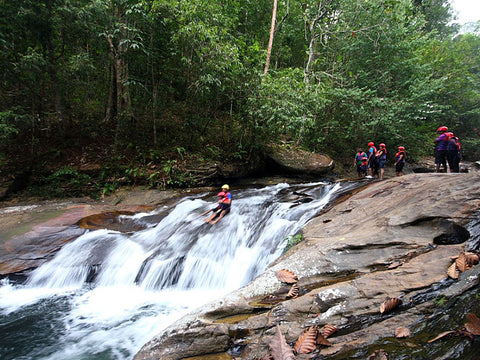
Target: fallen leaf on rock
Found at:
x=473, y=324
x=307, y=342
x=442, y=335
x=293, y=292
x=379, y=355
x=453, y=271
x=328, y=330
x=462, y=263
x=472, y=258
x=286, y=276
x=389, y=304
x=279, y=349
x=402, y=332
x=322, y=341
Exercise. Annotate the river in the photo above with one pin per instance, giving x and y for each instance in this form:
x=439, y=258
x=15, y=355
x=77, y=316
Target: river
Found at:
x=107, y=293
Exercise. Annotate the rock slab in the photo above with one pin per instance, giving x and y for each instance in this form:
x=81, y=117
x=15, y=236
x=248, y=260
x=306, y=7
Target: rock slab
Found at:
x=395, y=238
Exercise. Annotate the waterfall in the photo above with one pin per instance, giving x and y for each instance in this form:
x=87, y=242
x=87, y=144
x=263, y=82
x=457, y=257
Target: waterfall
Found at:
x=107, y=293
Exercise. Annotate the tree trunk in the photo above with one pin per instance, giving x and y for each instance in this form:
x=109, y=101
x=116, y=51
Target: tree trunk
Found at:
x=272, y=33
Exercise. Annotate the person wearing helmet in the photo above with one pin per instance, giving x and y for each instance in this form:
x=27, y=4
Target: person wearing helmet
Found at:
x=360, y=161
x=441, y=143
x=453, y=153
x=400, y=158
x=372, y=164
x=381, y=155
x=223, y=207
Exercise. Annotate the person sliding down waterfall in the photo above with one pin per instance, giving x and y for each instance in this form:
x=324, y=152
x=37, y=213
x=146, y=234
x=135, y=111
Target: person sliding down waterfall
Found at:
x=223, y=207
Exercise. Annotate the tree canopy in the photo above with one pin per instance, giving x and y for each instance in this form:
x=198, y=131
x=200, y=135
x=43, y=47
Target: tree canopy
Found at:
x=155, y=80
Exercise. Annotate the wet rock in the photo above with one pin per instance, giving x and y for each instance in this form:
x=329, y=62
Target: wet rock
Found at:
x=31, y=234
x=296, y=161
x=344, y=274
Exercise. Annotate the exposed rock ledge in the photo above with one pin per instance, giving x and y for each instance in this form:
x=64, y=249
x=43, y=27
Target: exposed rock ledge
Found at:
x=342, y=266
x=296, y=161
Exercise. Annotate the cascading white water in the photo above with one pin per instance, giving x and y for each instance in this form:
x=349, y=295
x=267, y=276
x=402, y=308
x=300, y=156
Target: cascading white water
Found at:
x=147, y=279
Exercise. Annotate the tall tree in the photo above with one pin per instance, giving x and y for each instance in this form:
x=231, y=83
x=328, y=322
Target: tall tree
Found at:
x=272, y=33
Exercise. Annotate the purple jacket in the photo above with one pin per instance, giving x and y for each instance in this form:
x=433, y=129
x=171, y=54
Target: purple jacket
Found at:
x=442, y=142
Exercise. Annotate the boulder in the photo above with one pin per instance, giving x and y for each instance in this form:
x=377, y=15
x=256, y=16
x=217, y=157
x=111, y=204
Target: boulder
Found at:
x=296, y=161
x=377, y=244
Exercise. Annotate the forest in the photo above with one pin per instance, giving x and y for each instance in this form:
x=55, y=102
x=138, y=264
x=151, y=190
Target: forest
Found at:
x=95, y=94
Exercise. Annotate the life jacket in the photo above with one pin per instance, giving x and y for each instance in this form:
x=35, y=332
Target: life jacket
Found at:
x=227, y=196
x=359, y=156
x=397, y=155
x=452, y=144
x=381, y=154
x=372, y=150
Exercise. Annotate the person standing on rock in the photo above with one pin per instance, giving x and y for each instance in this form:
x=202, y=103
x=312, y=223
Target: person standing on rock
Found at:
x=360, y=159
x=372, y=163
x=441, y=143
x=223, y=207
x=453, y=153
x=400, y=159
x=382, y=159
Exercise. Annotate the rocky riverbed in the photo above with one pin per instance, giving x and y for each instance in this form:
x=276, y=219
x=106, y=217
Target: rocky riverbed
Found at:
x=394, y=239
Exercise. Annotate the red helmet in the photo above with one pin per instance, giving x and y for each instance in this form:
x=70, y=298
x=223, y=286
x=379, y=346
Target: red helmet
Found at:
x=371, y=143
x=401, y=148
x=442, y=129
x=382, y=145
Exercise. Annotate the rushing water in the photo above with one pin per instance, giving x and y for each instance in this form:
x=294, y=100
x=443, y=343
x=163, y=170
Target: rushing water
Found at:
x=146, y=280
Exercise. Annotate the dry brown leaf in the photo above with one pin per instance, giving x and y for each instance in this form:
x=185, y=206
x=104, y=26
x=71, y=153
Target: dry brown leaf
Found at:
x=286, y=276
x=328, y=330
x=307, y=342
x=442, y=335
x=462, y=263
x=279, y=348
x=389, y=304
x=293, y=292
x=322, y=341
x=472, y=259
x=379, y=355
x=402, y=332
x=453, y=272
x=473, y=324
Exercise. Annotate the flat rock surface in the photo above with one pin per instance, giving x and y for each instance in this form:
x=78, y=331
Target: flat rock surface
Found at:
x=393, y=239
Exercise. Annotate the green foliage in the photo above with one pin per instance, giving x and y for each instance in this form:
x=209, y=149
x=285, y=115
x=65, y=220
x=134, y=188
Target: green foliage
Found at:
x=159, y=80
x=8, y=126
x=64, y=182
x=293, y=240
x=440, y=301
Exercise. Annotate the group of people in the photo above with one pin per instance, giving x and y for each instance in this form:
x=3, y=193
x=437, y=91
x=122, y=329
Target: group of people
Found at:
x=447, y=149
x=373, y=161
